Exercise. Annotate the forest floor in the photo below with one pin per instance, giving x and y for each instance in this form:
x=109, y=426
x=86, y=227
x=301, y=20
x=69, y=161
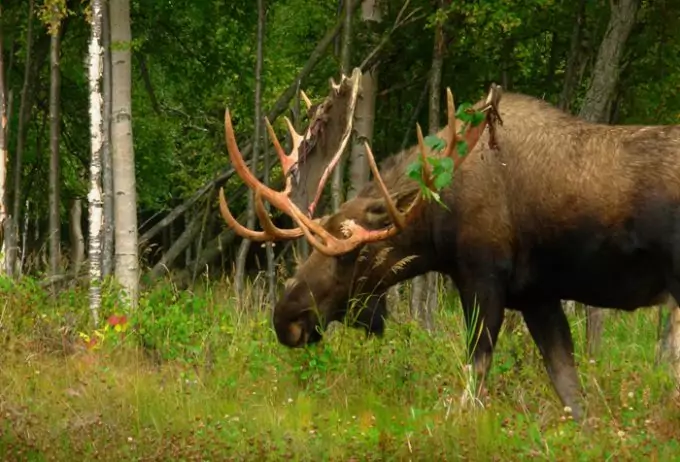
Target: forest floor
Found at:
x=189, y=378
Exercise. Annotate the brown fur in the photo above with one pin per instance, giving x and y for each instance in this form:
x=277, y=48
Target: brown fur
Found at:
x=563, y=209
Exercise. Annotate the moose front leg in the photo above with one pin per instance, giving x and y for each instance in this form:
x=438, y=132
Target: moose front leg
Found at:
x=484, y=313
x=549, y=327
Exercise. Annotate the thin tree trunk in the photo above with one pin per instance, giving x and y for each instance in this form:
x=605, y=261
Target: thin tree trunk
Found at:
x=571, y=76
x=107, y=161
x=365, y=111
x=670, y=339
x=596, y=106
x=96, y=135
x=345, y=63
x=55, y=132
x=606, y=70
x=239, y=277
x=77, y=238
x=425, y=288
x=24, y=110
x=269, y=246
x=184, y=241
x=124, y=182
x=3, y=149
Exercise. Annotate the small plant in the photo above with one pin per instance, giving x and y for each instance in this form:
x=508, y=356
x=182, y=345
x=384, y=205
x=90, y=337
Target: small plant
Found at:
x=442, y=167
x=114, y=330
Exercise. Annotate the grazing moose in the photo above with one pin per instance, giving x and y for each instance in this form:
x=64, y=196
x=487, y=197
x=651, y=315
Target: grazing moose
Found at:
x=545, y=207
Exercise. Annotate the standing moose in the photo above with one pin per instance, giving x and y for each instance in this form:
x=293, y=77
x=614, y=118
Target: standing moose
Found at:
x=545, y=207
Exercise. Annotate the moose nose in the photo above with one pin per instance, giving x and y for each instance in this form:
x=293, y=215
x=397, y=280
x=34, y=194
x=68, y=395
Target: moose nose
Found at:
x=297, y=334
x=292, y=333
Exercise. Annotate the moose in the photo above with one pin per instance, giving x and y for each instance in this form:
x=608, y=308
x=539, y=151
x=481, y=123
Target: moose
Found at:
x=545, y=207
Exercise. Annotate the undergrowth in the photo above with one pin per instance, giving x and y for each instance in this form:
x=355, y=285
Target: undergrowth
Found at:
x=189, y=377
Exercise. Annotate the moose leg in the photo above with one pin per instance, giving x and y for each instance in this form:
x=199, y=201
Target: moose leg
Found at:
x=549, y=328
x=483, y=311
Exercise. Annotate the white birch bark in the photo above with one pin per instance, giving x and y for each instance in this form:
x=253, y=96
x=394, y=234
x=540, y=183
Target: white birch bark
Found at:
x=124, y=183
x=94, y=197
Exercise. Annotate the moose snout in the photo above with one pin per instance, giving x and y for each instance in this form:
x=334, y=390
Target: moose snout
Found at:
x=298, y=332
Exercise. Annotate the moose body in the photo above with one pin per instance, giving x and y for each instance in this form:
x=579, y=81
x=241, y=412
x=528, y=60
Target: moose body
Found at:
x=558, y=208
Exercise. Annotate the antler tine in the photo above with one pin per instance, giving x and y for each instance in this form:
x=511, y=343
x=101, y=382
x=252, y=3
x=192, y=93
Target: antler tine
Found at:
x=286, y=161
x=297, y=138
x=257, y=236
x=305, y=98
x=451, y=113
x=269, y=227
x=392, y=209
x=426, y=173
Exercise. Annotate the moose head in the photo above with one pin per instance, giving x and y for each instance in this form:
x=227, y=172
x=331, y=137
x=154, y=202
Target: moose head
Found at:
x=372, y=242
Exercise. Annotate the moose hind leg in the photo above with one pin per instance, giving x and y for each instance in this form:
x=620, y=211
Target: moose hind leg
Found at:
x=549, y=328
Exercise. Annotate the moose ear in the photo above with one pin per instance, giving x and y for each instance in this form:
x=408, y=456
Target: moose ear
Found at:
x=376, y=215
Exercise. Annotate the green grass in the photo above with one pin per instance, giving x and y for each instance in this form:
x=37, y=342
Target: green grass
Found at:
x=191, y=379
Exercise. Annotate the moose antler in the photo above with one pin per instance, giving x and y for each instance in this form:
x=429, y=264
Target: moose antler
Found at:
x=354, y=234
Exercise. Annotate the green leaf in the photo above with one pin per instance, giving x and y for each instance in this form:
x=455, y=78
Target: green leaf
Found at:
x=443, y=179
x=434, y=142
x=446, y=164
x=462, y=112
x=462, y=148
x=413, y=170
x=477, y=118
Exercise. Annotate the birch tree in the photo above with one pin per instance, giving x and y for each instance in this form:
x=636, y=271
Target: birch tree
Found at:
x=96, y=134
x=107, y=162
x=124, y=183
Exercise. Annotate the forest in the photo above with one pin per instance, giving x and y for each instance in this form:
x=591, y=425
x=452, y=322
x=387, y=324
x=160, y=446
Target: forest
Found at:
x=136, y=324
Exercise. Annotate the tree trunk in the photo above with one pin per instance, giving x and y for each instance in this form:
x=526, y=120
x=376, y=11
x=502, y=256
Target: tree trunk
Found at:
x=606, y=70
x=24, y=112
x=77, y=238
x=670, y=339
x=571, y=76
x=184, y=241
x=55, y=132
x=124, y=183
x=596, y=109
x=96, y=135
x=107, y=161
x=239, y=277
x=345, y=65
x=269, y=246
x=365, y=111
x=3, y=149
x=425, y=288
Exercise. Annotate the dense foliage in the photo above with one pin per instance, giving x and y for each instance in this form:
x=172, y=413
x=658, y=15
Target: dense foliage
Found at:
x=191, y=59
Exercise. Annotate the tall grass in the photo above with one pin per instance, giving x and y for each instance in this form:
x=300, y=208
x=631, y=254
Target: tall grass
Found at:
x=188, y=377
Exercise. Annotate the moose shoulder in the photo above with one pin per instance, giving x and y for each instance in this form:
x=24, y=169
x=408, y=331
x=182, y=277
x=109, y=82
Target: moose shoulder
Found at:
x=545, y=207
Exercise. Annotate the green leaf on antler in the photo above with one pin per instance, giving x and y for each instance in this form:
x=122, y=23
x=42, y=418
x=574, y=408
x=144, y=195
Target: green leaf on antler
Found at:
x=434, y=142
x=462, y=148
